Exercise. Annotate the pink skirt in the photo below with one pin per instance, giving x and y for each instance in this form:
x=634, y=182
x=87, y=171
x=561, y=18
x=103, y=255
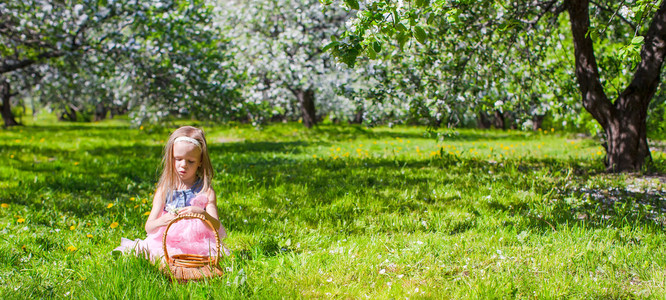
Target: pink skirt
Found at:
x=189, y=236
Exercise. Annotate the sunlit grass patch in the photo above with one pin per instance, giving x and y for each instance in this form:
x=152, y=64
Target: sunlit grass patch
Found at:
x=336, y=211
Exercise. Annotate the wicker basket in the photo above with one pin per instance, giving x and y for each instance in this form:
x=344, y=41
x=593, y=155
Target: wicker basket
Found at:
x=185, y=267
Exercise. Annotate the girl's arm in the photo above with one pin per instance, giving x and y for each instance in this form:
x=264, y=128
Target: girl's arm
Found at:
x=211, y=210
x=156, y=221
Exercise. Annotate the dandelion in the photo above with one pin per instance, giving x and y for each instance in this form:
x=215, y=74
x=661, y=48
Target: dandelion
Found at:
x=41, y=140
x=113, y=225
x=72, y=227
x=338, y=149
x=89, y=235
x=110, y=205
x=4, y=205
x=136, y=206
x=146, y=213
x=20, y=220
x=140, y=127
x=11, y=156
x=598, y=152
x=132, y=198
x=314, y=156
x=76, y=163
x=18, y=141
x=71, y=248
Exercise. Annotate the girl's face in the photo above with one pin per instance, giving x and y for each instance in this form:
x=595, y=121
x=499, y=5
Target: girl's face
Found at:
x=186, y=159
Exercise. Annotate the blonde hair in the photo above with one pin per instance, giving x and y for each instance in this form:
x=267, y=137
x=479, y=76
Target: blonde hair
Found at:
x=169, y=180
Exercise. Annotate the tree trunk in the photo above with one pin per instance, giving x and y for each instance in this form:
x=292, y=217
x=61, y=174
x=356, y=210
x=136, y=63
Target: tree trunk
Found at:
x=5, y=93
x=358, y=115
x=483, y=121
x=537, y=121
x=624, y=121
x=307, y=105
x=100, y=111
x=498, y=122
x=68, y=114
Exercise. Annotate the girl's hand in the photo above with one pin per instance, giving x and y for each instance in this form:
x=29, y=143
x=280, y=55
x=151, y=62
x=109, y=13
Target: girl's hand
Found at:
x=166, y=218
x=190, y=209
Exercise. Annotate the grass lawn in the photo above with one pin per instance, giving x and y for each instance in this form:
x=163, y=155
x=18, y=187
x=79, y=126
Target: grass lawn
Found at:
x=341, y=212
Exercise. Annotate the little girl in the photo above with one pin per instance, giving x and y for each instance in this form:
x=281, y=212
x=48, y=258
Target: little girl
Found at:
x=184, y=187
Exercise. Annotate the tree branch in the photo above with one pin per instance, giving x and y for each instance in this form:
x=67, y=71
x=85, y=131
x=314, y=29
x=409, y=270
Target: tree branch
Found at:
x=614, y=12
x=8, y=65
x=595, y=100
x=646, y=78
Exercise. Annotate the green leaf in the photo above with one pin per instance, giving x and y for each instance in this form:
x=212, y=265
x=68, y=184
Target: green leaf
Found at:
x=396, y=17
x=371, y=52
x=330, y=45
x=420, y=34
x=401, y=27
x=637, y=40
x=377, y=46
x=402, y=38
x=353, y=4
x=412, y=20
x=422, y=3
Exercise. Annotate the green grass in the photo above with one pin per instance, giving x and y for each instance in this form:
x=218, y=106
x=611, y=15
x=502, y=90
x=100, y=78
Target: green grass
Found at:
x=341, y=212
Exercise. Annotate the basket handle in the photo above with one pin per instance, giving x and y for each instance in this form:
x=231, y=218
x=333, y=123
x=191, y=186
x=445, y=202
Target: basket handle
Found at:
x=192, y=216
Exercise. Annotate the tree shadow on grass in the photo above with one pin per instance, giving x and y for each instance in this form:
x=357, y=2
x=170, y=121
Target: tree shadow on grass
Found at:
x=245, y=147
x=571, y=203
x=328, y=192
x=354, y=132
x=83, y=182
x=326, y=185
